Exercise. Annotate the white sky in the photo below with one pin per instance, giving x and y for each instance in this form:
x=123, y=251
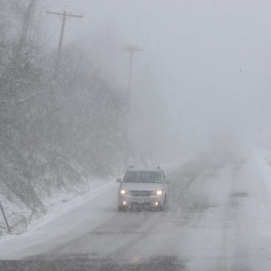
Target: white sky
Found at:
x=209, y=61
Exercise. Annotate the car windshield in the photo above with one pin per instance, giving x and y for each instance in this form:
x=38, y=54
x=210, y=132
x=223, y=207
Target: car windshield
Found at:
x=142, y=177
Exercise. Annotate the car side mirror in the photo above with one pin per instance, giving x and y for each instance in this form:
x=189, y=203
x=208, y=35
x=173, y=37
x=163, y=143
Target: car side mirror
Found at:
x=119, y=180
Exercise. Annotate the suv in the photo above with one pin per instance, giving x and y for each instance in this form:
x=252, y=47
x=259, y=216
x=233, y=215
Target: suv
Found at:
x=143, y=186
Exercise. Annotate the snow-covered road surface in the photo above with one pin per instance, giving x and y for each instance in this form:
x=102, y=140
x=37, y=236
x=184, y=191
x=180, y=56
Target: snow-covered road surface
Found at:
x=219, y=218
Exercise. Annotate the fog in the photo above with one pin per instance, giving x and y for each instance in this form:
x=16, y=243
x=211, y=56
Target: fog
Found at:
x=76, y=113
x=89, y=88
x=203, y=77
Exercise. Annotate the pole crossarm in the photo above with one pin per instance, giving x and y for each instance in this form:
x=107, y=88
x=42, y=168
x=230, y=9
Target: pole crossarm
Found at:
x=67, y=14
x=77, y=16
x=132, y=48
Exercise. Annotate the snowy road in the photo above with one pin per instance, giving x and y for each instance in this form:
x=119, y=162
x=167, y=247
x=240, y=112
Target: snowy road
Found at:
x=219, y=218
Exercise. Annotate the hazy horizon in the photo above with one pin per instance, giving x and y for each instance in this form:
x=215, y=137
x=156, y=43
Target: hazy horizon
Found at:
x=202, y=77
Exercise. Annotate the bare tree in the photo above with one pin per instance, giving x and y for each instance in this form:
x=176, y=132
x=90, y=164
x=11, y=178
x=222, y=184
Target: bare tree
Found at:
x=27, y=19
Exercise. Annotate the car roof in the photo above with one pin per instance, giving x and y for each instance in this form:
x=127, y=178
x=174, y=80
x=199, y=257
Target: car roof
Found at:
x=146, y=168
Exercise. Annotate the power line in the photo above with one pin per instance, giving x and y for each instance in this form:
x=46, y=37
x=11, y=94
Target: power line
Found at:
x=83, y=35
x=85, y=26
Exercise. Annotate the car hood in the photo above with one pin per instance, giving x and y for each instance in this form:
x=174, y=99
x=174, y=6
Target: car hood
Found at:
x=142, y=186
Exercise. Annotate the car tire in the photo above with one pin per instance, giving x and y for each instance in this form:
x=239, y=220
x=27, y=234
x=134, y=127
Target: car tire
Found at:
x=166, y=201
x=121, y=209
x=162, y=207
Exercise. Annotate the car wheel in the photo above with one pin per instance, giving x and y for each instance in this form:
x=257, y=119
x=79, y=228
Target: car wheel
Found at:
x=162, y=207
x=166, y=201
x=121, y=208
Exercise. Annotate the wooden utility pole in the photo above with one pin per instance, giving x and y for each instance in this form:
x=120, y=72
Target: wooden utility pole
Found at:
x=131, y=49
x=64, y=17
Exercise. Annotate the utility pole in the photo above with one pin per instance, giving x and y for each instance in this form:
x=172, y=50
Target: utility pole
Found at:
x=131, y=49
x=64, y=17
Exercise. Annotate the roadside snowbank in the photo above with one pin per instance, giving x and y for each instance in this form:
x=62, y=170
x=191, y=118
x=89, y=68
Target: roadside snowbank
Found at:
x=263, y=160
x=64, y=202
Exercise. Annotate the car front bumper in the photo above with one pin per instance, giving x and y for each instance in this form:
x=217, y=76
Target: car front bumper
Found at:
x=129, y=201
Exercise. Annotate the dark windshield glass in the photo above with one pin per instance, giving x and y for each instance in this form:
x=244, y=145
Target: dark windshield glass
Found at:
x=142, y=177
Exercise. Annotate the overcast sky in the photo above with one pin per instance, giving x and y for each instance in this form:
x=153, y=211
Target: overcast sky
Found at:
x=208, y=61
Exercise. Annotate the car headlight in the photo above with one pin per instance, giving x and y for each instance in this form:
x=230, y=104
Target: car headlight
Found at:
x=123, y=192
x=158, y=192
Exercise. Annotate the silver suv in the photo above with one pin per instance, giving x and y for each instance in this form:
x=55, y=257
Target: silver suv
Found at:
x=143, y=187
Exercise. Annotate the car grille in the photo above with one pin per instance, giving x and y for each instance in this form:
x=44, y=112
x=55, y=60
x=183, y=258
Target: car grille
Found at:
x=141, y=193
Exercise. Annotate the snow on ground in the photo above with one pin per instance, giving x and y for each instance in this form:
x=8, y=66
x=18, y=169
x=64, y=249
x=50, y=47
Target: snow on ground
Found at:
x=263, y=160
x=227, y=213
x=170, y=166
x=64, y=202
x=260, y=169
